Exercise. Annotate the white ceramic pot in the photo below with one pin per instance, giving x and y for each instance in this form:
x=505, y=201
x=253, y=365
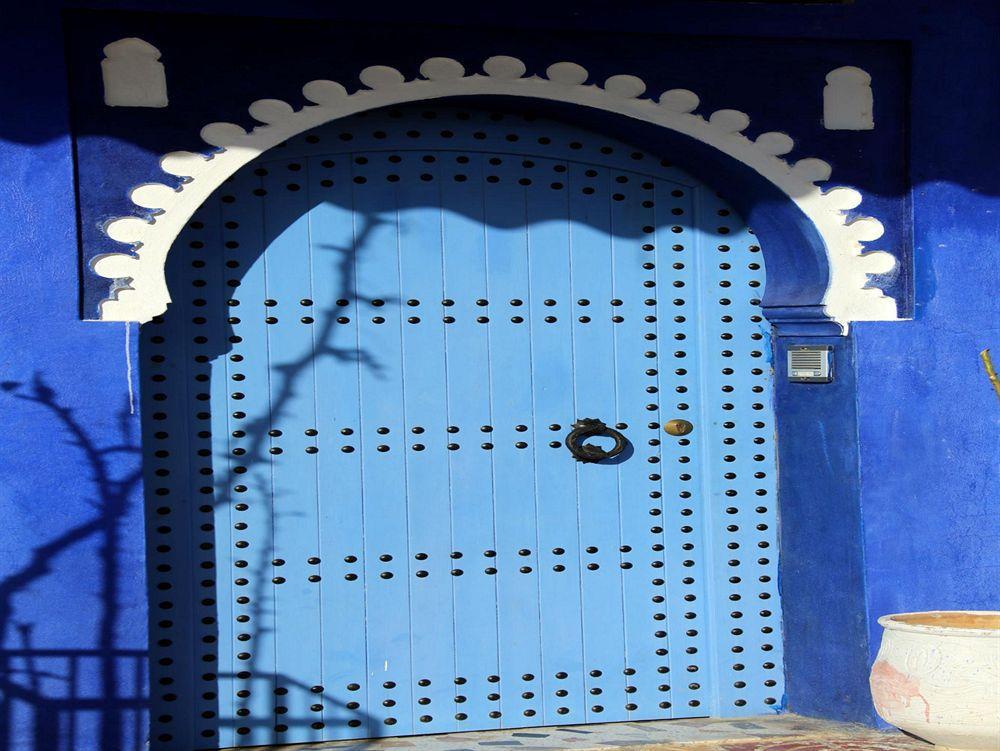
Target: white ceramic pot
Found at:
x=937, y=676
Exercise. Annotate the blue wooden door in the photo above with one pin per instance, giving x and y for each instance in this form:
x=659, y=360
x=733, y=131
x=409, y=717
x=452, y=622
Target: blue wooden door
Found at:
x=364, y=519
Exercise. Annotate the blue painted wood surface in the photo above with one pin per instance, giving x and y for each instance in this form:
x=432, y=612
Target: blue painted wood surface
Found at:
x=396, y=321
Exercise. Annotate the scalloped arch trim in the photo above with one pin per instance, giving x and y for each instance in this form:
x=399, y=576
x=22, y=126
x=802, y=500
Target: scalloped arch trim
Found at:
x=143, y=292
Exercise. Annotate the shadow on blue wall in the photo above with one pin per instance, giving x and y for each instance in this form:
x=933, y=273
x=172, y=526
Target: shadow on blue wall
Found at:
x=57, y=695
x=97, y=698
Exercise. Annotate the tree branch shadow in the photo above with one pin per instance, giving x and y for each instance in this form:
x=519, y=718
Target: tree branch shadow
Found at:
x=43, y=689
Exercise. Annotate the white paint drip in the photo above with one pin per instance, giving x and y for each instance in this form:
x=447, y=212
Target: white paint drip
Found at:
x=128, y=368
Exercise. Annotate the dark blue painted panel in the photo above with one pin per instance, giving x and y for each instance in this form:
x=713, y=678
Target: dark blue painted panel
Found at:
x=753, y=72
x=822, y=545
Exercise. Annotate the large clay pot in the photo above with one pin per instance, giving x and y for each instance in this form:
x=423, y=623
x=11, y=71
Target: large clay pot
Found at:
x=937, y=676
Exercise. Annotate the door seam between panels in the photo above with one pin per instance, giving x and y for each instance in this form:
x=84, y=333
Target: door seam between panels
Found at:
x=447, y=408
x=705, y=450
x=489, y=376
x=406, y=461
x=315, y=400
x=613, y=257
x=534, y=453
x=576, y=466
x=361, y=447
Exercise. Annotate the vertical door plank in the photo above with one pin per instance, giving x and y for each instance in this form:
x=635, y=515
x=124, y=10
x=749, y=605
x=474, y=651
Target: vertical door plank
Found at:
x=469, y=389
x=742, y=542
x=383, y=451
x=251, y=482
x=594, y=378
x=514, y=487
x=639, y=405
x=167, y=476
x=555, y=474
x=340, y=490
x=425, y=422
x=215, y=273
x=756, y=470
x=715, y=611
x=200, y=491
x=714, y=563
x=291, y=384
x=686, y=584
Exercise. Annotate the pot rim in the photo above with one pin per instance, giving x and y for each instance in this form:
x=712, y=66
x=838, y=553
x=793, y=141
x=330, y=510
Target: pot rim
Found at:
x=890, y=623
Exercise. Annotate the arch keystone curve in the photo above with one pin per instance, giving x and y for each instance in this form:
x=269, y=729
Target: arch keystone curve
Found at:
x=140, y=285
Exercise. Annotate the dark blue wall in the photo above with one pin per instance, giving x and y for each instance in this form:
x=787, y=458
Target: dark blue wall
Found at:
x=822, y=567
x=118, y=148
x=922, y=531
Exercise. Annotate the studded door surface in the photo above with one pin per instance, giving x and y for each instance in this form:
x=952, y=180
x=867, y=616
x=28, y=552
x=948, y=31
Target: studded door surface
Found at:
x=364, y=519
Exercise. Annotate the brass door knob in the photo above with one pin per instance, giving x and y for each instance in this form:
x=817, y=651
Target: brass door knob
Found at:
x=678, y=427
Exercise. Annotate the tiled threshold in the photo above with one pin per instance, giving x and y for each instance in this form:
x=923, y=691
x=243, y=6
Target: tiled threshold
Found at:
x=776, y=733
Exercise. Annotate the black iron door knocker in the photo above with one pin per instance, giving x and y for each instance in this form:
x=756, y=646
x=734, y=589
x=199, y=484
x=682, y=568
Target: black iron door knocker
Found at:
x=588, y=452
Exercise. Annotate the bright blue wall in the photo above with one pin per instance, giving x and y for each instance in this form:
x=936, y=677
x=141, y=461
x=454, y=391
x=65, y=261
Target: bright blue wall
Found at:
x=72, y=590
x=929, y=423
x=923, y=536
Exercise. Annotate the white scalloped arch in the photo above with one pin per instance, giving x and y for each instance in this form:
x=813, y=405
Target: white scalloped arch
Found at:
x=143, y=291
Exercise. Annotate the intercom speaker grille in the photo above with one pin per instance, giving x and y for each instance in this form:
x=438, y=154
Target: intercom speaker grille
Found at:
x=810, y=364
x=807, y=359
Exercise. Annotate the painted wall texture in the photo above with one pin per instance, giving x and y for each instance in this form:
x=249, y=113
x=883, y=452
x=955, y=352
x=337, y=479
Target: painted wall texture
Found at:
x=903, y=492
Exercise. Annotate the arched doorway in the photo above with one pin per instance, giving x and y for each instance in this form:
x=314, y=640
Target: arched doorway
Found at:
x=364, y=517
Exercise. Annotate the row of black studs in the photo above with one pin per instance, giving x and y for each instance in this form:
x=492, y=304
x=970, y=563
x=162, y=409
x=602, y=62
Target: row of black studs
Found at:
x=735, y=595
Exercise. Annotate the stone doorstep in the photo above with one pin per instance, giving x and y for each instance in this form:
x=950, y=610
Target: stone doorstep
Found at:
x=875, y=742
x=854, y=742
x=815, y=743
x=774, y=733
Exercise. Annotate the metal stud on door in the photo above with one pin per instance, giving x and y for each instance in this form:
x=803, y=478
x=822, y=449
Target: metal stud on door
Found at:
x=458, y=420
